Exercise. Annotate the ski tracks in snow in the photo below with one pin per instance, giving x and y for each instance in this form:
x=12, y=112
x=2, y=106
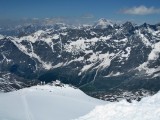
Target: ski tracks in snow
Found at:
x=28, y=114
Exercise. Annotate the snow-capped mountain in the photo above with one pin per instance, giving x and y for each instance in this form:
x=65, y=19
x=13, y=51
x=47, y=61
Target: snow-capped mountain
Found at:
x=99, y=59
x=46, y=102
x=103, y=23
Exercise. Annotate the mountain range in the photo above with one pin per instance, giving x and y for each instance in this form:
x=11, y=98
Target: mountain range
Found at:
x=105, y=59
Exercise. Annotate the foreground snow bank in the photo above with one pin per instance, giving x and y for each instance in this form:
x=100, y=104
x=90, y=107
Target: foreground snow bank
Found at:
x=147, y=109
x=46, y=103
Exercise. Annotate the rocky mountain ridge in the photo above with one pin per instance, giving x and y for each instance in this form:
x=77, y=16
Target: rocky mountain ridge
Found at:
x=96, y=58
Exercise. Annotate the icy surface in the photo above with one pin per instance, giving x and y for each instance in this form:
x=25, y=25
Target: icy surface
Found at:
x=147, y=109
x=46, y=103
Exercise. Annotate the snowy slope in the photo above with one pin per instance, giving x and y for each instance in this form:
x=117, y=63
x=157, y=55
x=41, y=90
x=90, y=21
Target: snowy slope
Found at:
x=45, y=103
x=103, y=23
x=147, y=109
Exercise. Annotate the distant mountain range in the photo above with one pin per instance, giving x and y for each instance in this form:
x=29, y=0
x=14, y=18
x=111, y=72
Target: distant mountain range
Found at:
x=101, y=59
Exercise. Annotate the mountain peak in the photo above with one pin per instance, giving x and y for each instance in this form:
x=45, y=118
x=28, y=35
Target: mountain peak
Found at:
x=129, y=23
x=1, y=37
x=103, y=23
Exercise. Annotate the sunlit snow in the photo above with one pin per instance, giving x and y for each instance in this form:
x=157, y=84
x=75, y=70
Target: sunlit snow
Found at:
x=46, y=103
x=147, y=109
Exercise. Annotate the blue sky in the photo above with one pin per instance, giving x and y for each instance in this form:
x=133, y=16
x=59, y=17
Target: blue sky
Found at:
x=117, y=10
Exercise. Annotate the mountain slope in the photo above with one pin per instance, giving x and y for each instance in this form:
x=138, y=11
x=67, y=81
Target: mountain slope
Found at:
x=147, y=109
x=108, y=58
x=45, y=103
x=11, y=82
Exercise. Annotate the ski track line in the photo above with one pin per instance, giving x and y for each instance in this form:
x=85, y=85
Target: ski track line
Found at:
x=29, y=115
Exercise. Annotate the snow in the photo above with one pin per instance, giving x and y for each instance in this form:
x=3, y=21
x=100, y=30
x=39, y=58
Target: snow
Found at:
x=86, y=67
x=147, y=109
x=46, y=103
x=5, y=59
x=104, y=38
x=144, y=39
x=89, y=51
x=75, y=60
x=80, y=45
x=58, y=65
x=121, y=40
x=103, y=23
x=55, y=36
x=106, y=61
x=127, y=54
x=7, y=83
x=94, y=40
x=113, y=74
x=93, y=33
x=76, y=46
x=32, y=38
x=1, y=37
x=32, y=54
x=154, y=55
x=155, y=52
x=149, y=71
x=64, y=34
x=47, y=66
x=39, y=35
x=93, y=57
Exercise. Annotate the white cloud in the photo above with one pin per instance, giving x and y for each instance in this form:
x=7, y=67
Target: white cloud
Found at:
x=141, y=10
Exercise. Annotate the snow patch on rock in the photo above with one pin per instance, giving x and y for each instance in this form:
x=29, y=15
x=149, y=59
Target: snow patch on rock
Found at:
x=1, y=37
x=155, y=52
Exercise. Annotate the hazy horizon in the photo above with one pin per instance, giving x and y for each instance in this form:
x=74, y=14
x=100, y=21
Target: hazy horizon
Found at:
x=80, y=11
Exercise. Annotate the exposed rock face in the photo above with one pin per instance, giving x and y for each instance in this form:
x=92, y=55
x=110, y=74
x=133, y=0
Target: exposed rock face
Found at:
x=101, y=57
